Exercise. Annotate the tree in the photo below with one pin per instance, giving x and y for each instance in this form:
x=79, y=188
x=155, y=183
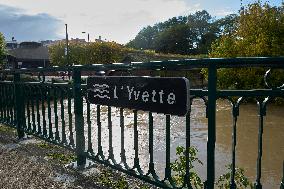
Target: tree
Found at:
x=172, y=22
x=260, y=32
x=204, y=31
x=199, y=22
x=145, y=38
x=174, y=40
x=2, y=48
x=199, y=32
x=228, y=24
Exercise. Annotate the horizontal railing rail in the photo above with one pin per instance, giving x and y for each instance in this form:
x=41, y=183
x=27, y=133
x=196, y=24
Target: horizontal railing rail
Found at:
x=59, y=112
x=273, y=62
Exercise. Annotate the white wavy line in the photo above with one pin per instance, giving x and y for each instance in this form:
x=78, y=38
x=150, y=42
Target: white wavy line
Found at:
x=104, y=96
x=100, y=91
x=101, y=86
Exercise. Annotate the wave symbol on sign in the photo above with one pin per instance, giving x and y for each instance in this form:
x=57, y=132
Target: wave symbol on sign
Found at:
x=101, y=91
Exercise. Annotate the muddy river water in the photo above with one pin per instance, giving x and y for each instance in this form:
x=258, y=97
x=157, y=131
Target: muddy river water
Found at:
x=247, y=139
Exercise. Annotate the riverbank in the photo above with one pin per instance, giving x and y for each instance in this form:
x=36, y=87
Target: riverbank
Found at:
x=33, y=163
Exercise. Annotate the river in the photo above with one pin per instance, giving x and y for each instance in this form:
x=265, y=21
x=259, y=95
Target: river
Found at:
x=247, y=139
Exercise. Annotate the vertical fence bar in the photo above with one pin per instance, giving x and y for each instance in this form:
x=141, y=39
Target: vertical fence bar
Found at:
x=261, y=113
x=79, y=119
x=71, y=137
x=282, y=182
x=57, y=138
x=28, y=108
x=50, y=132
x=100, y=148
x=234, y=141
x=63, y=130
x=187, y=146
x=11, y=105
x=37, y=109
x=110, y=148
x=90, y=145
x=33, y=110
x=43, y=98
x=136, y=152
x=122, y=150
x=13, y=109
x=168, y=174
x=212, y=88
x=23, y=100
x=5, y=103
x=151, y=145
x=1, y=101
x=19, y=103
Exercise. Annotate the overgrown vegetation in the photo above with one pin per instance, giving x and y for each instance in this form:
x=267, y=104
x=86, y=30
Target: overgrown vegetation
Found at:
x=223, y=182
x=179, y=166
x=86, y=53
x=259, y=31
x=2, y=49
x=241, y=180
x=104, y=53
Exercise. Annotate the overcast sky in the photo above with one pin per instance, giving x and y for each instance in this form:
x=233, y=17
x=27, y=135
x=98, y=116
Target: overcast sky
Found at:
x=118, y=20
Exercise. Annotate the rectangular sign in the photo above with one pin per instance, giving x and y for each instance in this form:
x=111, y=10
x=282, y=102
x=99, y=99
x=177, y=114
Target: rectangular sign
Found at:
x=154, y=94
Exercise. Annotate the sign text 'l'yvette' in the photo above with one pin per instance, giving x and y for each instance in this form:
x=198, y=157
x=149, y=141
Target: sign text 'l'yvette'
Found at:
x=155, y=94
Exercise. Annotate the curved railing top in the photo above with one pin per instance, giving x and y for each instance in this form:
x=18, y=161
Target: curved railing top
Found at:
x=270, y=62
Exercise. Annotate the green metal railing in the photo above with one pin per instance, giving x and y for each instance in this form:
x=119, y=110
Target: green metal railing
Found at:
x=59, y=113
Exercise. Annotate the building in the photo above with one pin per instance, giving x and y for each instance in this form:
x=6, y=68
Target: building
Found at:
x=28, y=55
x=11, y=44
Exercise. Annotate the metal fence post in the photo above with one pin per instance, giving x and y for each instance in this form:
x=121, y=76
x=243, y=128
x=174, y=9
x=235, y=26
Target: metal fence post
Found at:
x=79, y=119
x=282, y=183
x=19, y=106
x=212, y=89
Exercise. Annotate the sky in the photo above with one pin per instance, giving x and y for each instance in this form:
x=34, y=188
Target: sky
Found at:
x=114, y=20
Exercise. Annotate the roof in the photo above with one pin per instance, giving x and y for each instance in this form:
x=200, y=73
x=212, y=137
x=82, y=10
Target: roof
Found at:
x=37, y=53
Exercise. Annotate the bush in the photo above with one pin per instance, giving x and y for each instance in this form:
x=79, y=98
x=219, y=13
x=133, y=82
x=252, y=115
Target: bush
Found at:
x=86, y=53
x=223, y=182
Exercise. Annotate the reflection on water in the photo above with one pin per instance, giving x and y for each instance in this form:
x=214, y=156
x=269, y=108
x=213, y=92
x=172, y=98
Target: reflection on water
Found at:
x=247, y=138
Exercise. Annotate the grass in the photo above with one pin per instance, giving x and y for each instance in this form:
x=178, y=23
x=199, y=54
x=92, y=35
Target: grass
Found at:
x=6, y=129
x=110, y=179
x=45, y=145
x=62, y=158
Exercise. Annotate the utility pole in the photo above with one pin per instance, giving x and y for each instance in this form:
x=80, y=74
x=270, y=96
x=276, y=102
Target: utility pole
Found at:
x=67, y=47
x=88, y=40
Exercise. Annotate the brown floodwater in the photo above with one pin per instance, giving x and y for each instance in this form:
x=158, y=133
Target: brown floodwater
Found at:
x=247, y=138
